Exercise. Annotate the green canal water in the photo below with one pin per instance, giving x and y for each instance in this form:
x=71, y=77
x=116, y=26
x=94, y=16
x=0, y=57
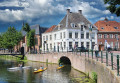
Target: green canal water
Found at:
x=51, y=75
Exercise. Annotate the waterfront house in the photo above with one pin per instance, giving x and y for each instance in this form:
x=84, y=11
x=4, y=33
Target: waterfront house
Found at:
x=73, y=30
x=108, y=32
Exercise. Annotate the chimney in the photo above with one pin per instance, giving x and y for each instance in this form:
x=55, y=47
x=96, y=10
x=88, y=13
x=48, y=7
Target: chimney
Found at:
x=80, y=11
x=68, y=11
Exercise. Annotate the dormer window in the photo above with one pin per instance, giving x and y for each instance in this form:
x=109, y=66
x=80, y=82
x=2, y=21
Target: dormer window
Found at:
x=115, y=27
x=102, y=27
x=72, y=25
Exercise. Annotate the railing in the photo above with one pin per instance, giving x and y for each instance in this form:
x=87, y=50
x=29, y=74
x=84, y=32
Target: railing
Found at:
x=104, y=57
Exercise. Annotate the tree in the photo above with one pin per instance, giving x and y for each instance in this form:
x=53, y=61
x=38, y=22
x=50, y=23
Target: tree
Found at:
x=114, y=6
x=30, y=36
x=1, y=41
x=11, y=38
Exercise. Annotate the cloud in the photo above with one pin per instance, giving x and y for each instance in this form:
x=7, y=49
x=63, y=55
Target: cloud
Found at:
x=42, y=8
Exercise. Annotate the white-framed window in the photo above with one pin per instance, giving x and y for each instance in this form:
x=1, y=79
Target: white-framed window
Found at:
x=87, y=35
x=70, y=34
x=72, y=25
x=105, y=35
x=50, y=46
x=93, y=35
x=55, y=36
x=99, y=36
x=88, y=45
x=82, y=27
x=76, y=43
x=50, y=37
x=64, y=34
x=111, y=44
x=82, y=43
x=76, y=34
x=70, y=45
x=61, y=35
x=116, y=35
x=102, y=27
x=47, y=38
x=82, y=35
x=43, y=38
x=110, y=35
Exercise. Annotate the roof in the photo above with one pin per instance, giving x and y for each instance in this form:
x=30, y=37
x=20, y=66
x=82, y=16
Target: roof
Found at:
x=38, y=29
x=50, y=29
x=76, y=18
x=107, y=26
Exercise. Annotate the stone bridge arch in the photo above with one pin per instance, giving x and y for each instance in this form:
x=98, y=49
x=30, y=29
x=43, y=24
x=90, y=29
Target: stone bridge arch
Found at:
x=65, y=60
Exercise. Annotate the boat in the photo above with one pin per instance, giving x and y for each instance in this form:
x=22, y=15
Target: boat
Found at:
x=60, y=67
x=18, y=68
x=40, y=70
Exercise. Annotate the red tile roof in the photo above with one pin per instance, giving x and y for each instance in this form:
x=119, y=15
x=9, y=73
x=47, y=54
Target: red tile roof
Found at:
x=108, y=26
x=50, y=29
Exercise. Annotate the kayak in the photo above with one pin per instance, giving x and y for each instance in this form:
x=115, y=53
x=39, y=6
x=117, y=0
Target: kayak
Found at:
x=40, y=70
x=60, y=67
x=18, y=68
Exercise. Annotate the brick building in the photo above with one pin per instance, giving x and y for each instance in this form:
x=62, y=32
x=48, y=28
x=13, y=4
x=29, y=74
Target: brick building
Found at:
x=38, y=39
x=108, y=31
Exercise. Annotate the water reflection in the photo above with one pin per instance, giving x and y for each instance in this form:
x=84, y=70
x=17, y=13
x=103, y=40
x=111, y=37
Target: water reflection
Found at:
x=51, y=75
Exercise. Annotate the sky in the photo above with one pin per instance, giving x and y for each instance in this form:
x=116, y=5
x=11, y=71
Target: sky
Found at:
x=49, y=12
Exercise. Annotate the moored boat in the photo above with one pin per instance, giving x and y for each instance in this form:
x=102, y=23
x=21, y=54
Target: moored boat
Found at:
x=40, y=70
x=60, y=67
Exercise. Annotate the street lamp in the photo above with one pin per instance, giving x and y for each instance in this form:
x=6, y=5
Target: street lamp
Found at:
x=44, y=46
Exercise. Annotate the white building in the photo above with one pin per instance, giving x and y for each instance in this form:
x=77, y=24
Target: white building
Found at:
x=74, y=29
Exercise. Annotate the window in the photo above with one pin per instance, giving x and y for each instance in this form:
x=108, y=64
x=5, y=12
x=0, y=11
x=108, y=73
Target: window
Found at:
x=88, y=45
x=36, y=41
x=72, y=25
x=76, y=43
x=110, y=35
x=50, y=46
x=82, y=43
x=82, y=27
x=70, y=45
x=76, y=34
x=46, y=37
x=105, y=35
x=115, y=27
x=50, y=37
x=87, y=35
x=93, y=35
x=60, y=35
x=100, y=42
x=116, y=35
x=102, y=27
x=70, y=34
x=99, y=36
x=43, y=38
x=82, y=35
x=64, y=45
x=55, y=36
x=64, y=34
x=111, y=44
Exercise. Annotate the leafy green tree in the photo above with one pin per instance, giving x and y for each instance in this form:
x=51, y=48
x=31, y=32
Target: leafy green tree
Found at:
x=30, y=36
x=26, y=27
x=114, y=6
x=1, y=41
x=11, y=38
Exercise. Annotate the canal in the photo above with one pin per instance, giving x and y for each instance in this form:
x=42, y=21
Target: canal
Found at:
x=51, y=75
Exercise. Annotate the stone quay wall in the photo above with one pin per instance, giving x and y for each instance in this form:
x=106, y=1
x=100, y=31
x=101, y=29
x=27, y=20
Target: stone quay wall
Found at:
x=81, y=63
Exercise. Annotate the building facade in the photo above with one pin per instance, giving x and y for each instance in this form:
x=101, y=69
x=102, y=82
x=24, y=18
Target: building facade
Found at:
x=38, y=39
x=108, y=31
x=73, y=30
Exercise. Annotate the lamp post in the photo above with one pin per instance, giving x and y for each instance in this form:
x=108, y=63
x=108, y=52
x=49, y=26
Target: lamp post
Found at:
x=44, y=46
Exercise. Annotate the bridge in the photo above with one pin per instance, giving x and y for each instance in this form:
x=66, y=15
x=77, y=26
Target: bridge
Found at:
x=106, y=65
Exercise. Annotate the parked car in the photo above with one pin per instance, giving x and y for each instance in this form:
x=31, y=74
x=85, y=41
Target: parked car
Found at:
x=82, y=49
